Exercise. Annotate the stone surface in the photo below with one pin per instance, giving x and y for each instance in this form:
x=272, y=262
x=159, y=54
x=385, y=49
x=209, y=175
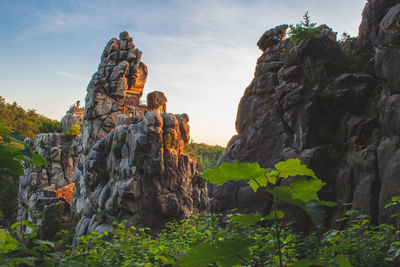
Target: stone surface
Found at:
x=342, y=119
x=127, y=163
x=137, y=173
x=73, y=116
x=40, y=185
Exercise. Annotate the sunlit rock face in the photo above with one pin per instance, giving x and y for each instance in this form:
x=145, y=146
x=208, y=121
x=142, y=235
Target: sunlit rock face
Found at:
x=127, y=163
x=131, y=166
x=335, y=106
x=73, y=116
x=138, y=173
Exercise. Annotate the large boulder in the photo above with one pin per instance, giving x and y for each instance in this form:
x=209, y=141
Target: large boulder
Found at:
x=138, y=173
x=333, y=105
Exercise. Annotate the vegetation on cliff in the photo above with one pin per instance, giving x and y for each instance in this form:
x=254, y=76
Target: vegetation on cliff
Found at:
x=26, y=122
x=207, y=156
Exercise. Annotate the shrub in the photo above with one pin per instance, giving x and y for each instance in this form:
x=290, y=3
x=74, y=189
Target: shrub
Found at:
x=73, y=130
x=50, y=126
x=303, y=30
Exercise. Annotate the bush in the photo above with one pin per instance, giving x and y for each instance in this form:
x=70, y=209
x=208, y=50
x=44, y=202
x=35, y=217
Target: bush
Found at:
x=303, y=30
x=50, y=126
x=73, y=130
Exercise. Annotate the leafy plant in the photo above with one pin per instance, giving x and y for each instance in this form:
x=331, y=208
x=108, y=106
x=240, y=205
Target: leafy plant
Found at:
x=12, y=155
x=50, y=126
x=167, y=141
x=73, y=130
x=301, y=192
x=303, y=30
x=207, y=156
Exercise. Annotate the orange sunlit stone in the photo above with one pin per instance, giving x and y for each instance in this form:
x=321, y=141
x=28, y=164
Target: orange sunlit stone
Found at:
x=67, y=192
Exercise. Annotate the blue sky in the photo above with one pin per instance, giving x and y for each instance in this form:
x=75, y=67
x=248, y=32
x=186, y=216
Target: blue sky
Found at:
x=201, y=54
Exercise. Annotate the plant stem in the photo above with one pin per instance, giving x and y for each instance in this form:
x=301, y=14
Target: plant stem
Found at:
x=278, y=232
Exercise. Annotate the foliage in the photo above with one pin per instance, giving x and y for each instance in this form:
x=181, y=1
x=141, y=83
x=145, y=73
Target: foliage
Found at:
x=50, y=126
x=301, y=191
x=303, y=30
x=11, y=155
x=73, y=130
x=20, y=248
x=167, y=141
x=211, y=238
x=206, y=156
x=117, y=146
x=26, y=122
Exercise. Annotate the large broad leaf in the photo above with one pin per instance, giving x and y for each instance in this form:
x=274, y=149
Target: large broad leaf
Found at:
x=326, y=203
x=69, y=263
x=9, y=160
x=342, y=261
x=270, y=177
x=256, y=183
x=234, y=172
x=316, y=213
x=306, y=189
x=312, y=208
x=247, y=219
x=38, y=160
x=293, y=167
x=285, y=194
x=225, y=253
x=274, y=215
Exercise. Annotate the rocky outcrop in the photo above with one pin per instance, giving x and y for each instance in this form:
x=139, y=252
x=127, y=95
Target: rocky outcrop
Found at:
x=127, y=163
x=333, y=105
x=137, y=171
x=74, y=116
x=51, y=184
x=380, y=29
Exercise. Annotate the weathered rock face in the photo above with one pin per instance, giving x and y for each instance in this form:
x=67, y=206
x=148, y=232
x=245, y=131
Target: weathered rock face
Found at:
x=327, y=104
x=116, y=86
x=74, y=116
x=48, y=185
x=380, y=29
x=127, y=163
x=137, y=173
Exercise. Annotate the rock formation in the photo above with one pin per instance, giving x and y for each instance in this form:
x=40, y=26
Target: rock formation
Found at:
x=74, y=116
x=48, y=185
x=127, y=161
x=336, y=106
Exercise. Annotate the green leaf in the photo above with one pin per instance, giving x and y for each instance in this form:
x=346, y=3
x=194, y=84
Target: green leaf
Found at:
x=271, y=216
x=257, y=182
x=316, y=213
x=293, y=167
x=247, y=219
x=342, y=261
x=284, y=193
x=72, y=264
x=390, y=205
x=225, y=253
x=38, y=160
x=396, y=198
x=234, y=172
x=44, y=242
x=306, y=189
x=326, y=203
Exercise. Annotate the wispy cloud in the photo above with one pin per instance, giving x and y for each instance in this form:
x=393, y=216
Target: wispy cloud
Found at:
x=42, y=23
x=65, y=74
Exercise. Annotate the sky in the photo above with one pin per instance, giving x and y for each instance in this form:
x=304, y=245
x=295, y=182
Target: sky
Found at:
x=201, y=54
